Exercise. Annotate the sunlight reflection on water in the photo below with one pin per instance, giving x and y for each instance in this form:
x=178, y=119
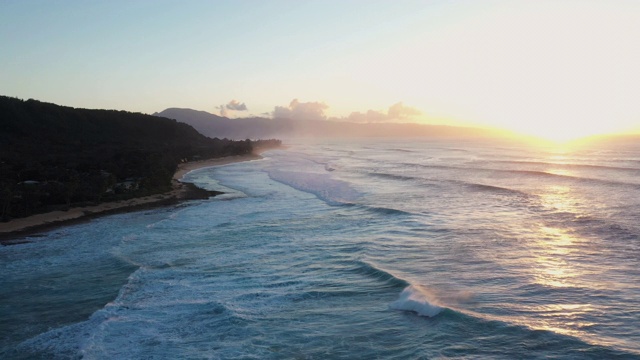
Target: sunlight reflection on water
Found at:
x=561, y=198
x=554, y=259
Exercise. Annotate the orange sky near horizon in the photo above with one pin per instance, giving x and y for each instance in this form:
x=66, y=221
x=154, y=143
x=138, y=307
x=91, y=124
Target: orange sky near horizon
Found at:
x=559, y=70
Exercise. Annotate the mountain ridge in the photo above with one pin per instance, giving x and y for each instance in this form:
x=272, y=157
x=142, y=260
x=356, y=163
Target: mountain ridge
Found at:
x=259, y=127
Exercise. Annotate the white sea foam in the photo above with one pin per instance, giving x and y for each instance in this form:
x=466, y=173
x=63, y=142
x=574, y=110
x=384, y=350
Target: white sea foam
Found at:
x=415, y=299
x=277, y=274
x=322, y=185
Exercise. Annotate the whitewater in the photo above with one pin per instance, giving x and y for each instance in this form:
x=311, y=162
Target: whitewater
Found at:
x=376, y=249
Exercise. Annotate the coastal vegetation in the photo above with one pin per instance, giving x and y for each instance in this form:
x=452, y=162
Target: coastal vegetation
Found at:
x=54, y=157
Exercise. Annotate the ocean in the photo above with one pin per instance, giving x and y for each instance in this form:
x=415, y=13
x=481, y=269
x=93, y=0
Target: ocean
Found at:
x=376, y=249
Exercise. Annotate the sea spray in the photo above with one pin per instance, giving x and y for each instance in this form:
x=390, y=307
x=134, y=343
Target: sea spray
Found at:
x=324, y=186
x=414, y=298
x=513, y=264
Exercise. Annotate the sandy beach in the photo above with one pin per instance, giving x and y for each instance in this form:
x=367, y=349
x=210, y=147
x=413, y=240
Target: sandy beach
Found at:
x=180, y=191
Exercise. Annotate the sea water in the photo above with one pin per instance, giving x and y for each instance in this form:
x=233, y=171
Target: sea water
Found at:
x=358, y=250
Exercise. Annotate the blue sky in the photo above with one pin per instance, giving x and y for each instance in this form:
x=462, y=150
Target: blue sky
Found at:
x=533, y=66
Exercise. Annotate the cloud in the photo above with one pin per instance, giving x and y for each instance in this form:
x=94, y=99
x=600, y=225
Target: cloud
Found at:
x=301, y=110
x=369, y=116
x=396, y=113
x=236, y=105
x=233, y=105
x=223, y=110
x=297, y=110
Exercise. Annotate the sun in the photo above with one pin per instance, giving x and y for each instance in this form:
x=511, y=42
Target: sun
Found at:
x=563, y=132
x=539, y=68
x=559, y=131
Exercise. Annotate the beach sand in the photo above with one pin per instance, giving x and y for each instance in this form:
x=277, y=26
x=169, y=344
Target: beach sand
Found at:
x=180, y=191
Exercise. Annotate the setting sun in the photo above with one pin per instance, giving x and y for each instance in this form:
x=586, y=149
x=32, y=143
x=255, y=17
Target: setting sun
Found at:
x=556, y=70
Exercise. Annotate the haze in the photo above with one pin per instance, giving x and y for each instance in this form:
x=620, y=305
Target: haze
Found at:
x=554, y=69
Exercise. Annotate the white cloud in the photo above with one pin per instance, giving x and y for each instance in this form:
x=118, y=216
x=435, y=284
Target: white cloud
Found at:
x=301, y=110
x=396, y=112
x=236, y=105
x=231, y=107
x=223, y=110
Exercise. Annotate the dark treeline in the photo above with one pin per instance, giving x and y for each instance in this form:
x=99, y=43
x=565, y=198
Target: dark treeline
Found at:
x=53, y=157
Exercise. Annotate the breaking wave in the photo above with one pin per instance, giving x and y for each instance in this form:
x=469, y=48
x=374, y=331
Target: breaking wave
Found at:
x=416, y=299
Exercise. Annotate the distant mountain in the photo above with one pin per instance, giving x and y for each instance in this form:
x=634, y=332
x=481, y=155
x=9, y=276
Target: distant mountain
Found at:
x=222, y=127
x=251, y=128
x=54, y=155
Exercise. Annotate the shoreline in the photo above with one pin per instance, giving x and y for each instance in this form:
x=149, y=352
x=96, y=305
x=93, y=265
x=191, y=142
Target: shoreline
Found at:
x=14, y=231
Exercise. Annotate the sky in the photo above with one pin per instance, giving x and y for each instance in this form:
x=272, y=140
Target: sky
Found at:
x=557, y=69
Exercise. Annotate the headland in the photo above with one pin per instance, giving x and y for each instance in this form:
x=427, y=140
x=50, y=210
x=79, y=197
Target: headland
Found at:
x=16, y=230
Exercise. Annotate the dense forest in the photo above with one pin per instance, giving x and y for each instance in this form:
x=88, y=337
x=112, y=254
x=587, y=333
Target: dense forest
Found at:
x=53, y=157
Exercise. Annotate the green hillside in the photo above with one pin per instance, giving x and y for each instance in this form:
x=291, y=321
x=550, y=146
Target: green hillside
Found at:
x=53, y=157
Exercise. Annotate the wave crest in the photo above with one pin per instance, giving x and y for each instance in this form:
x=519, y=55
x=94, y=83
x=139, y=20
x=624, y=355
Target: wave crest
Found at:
x=415, y=299
x=377, y=273
x=322, y=185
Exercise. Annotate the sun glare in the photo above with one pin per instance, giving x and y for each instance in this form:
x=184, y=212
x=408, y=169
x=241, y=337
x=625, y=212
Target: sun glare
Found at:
x=560, y=131
x=565, y=135
x=573, y=77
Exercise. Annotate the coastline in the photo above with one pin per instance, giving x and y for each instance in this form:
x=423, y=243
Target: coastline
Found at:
x=14, y=231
